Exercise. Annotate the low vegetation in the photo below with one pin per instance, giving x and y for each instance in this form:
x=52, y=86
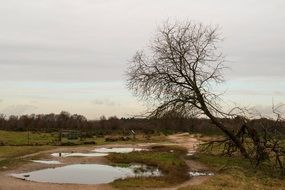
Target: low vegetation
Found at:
x=231, y=172
x=237, y=173
x=13, y=156
x=16, y=138
x=168, y=159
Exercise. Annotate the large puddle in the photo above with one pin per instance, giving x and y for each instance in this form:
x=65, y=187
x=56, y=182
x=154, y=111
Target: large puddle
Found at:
x=96, y=152
x=65, y=154
x=87, y=173
x=117, y=150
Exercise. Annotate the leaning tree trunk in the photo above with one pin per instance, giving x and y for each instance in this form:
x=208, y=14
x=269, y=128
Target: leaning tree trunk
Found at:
x=220, y=125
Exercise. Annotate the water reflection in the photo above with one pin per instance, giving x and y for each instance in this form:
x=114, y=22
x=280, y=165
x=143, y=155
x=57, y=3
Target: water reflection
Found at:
x=87, y=173
x=46, y=161
x=77, y=154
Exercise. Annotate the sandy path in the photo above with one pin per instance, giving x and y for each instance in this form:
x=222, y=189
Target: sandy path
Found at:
x=191, y=143
x=7, y=183
x=185, y=140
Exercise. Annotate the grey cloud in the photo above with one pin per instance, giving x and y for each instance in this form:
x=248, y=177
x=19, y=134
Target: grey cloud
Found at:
x=257, y=65
x=18, y=109
x=267, y=110
x=255, y=92
x=278, y=93
x=104, y=102
x=263, y=109
x=34, y=101
x=91, y=40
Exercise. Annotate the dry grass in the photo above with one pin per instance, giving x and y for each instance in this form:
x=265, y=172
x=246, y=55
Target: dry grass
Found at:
x=237, y=173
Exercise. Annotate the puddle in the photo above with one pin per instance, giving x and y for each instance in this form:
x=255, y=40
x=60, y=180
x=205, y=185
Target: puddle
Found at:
x=191, y=152
x=117, y=150
x=46, y=161
x=87, y=173
x=195, y=174
x=64, y=154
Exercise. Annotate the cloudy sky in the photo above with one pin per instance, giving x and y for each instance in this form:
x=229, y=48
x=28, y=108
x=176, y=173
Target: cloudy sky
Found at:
x=72, y=54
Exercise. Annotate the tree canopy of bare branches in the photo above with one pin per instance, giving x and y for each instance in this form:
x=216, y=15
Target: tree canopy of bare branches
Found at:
x=183, y=66
x=179, y=73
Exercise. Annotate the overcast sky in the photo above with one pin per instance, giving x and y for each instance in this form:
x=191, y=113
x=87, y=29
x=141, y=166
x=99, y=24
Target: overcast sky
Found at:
x=72, y=54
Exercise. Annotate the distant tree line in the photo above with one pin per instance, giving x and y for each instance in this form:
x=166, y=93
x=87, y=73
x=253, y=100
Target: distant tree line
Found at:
x=169, y=123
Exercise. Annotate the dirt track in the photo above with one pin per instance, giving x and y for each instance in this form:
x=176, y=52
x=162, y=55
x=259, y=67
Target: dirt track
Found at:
x=10, y=183
x=191, y=143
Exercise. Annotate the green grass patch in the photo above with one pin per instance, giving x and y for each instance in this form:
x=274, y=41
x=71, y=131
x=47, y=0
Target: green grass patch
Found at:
x=25, y=138
x=172, y=165
x=172, y=148
x=12, y=156
x=16, y=138
x=17, y=151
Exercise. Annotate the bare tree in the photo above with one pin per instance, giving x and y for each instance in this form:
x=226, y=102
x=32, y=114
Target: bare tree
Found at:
x=183, y=67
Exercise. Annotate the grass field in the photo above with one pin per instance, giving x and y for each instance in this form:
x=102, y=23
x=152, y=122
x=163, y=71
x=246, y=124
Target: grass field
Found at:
x=25, y=138
x=11, y=138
